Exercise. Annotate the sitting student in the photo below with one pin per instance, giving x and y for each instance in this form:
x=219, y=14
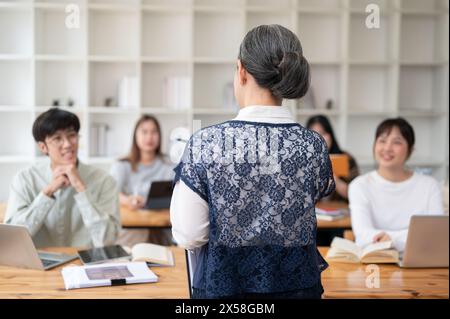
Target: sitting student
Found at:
x=135, y=173
x=61, y=201
x=322, y=125
x=383, y=201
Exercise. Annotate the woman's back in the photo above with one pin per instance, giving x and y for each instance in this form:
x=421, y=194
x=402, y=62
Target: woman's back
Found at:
x=261, y=182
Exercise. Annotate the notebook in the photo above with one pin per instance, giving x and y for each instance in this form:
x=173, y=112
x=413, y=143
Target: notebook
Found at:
x=109, y=274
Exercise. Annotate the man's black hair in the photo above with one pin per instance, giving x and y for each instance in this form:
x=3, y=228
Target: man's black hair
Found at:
x=53, y=120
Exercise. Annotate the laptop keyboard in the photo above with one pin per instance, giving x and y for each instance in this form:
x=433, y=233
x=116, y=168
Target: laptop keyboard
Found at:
x=47, y=262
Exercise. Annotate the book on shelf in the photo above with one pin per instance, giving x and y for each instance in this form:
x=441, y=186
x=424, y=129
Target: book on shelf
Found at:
x=99, y=139
x=108, y=274
x=344, y=250
x=229, y=100
x=128, y=93
x=177, y=92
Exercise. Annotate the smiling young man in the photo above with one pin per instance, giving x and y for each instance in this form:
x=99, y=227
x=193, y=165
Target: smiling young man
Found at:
x=62, y=201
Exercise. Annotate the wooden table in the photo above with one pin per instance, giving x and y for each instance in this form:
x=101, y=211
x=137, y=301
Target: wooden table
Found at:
x=339, y=280
x=342, y=280
x=343, y=223
x=161, y=219
x=144, y=218
x=24, y=283
x=130, y=219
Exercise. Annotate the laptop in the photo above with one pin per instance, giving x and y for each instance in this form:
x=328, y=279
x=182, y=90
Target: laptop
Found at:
x=159, y=195
x=17, y=250
x=427, y=242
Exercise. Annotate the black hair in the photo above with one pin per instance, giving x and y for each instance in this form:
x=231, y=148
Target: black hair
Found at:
x=273, y=55
x=406, y=130
x=53, y=120
x=323, y=121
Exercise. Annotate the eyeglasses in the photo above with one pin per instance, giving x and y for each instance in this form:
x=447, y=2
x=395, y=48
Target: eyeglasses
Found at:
x=58, y=139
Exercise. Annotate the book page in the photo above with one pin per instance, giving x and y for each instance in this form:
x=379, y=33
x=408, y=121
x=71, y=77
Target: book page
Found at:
x=346, y=245
x=152, y=253
x=336, y=254
x=381, y=256
x=377, y=246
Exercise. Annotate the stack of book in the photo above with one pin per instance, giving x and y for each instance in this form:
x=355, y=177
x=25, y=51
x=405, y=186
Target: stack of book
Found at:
x=99, y=139
x=330, y=214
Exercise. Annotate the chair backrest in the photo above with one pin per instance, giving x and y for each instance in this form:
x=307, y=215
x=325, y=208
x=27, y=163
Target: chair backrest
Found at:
x=192, y=257
x=189, y=271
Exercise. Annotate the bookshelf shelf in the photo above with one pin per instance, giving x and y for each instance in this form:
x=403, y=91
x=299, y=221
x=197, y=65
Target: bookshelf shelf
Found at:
x=367, y=74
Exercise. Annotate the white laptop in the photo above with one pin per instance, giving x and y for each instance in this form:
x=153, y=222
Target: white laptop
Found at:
x=17, y=250
x=427, y=243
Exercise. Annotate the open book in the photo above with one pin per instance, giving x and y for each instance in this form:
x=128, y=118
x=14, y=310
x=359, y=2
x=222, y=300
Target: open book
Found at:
x=153, y=255
x=343, y=250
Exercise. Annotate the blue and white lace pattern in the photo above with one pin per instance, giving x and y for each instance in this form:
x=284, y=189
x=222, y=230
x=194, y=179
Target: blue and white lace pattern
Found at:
x=261, y=182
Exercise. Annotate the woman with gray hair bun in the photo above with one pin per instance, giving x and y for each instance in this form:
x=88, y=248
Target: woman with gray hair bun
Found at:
x=245, y=190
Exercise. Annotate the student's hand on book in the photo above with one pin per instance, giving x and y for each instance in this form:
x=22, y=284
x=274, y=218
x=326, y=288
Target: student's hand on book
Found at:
x=72, y=174
x=135, y=202
x=381, y=237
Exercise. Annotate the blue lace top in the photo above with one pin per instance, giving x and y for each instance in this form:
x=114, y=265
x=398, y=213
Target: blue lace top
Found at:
x=261, y=182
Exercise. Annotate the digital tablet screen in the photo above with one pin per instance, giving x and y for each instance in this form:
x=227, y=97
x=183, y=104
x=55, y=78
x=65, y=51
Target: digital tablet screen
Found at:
x=102, y=254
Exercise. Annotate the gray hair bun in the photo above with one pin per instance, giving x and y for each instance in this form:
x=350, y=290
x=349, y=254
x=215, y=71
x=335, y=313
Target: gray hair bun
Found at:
x=273, y=55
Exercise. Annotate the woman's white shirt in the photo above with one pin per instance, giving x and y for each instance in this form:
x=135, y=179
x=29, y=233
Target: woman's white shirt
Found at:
x=378, y=205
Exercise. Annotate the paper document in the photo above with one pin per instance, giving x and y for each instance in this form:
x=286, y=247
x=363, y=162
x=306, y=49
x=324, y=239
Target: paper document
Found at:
x=109, y=274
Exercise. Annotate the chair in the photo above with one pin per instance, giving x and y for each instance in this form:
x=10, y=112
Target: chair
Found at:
x=192, y=257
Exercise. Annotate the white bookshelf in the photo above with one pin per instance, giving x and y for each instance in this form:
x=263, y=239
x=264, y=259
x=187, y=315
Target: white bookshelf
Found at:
x=367, y=74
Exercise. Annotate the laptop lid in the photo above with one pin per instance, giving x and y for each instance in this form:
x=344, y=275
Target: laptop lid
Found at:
x=159, y=195
x=17, y=250
x=427, y=243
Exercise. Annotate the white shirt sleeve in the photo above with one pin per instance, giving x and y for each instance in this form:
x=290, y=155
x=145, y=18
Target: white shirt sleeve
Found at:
x=24, y=210
x=118, y=172
x=435, y=202
x=362, y=223
x=189, y=215
x=101, y=215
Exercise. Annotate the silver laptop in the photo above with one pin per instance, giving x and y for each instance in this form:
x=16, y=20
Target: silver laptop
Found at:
x=17, y=249
x=427, y=243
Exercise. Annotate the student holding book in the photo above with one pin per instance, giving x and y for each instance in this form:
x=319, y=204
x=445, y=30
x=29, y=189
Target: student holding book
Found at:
x=134, y=174
x=383, y=201
x=62, y=201
x=246, y=189
x=322, y=125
